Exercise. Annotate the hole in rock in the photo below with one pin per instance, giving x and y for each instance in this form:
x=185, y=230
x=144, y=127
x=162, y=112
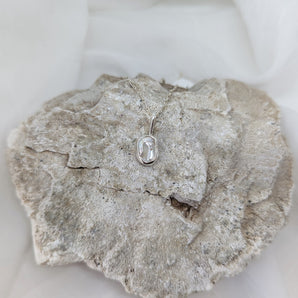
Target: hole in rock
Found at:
x=184, y=208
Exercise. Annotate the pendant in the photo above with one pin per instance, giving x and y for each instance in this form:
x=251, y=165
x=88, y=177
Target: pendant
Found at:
x=147, y=150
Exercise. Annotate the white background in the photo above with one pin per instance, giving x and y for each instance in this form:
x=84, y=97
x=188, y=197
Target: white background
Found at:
x=51, y=46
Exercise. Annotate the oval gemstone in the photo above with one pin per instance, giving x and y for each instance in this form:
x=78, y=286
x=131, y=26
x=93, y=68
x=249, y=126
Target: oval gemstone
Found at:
x=147, y=151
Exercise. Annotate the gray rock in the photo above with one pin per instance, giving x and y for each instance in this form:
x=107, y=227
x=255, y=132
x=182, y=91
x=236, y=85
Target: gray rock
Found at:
x=218, y=193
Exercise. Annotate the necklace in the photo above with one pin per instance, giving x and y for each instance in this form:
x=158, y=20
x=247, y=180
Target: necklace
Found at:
x=147, y=147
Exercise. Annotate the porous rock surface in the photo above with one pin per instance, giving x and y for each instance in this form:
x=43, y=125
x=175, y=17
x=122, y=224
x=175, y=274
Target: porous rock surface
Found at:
x=217, y=195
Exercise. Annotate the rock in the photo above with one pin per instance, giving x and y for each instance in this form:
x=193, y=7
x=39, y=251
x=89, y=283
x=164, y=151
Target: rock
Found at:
x=215, y=197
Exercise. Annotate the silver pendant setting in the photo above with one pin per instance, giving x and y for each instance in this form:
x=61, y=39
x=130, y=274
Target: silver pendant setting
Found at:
x=147, y=150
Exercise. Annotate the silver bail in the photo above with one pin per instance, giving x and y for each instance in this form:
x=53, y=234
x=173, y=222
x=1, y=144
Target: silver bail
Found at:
x=151, y=126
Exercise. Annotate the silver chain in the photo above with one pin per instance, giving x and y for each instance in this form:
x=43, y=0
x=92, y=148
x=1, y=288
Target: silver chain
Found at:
x=152, y=117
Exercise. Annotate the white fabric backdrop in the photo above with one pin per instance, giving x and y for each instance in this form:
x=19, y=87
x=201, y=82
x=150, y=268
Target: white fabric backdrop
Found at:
x=51, y=46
